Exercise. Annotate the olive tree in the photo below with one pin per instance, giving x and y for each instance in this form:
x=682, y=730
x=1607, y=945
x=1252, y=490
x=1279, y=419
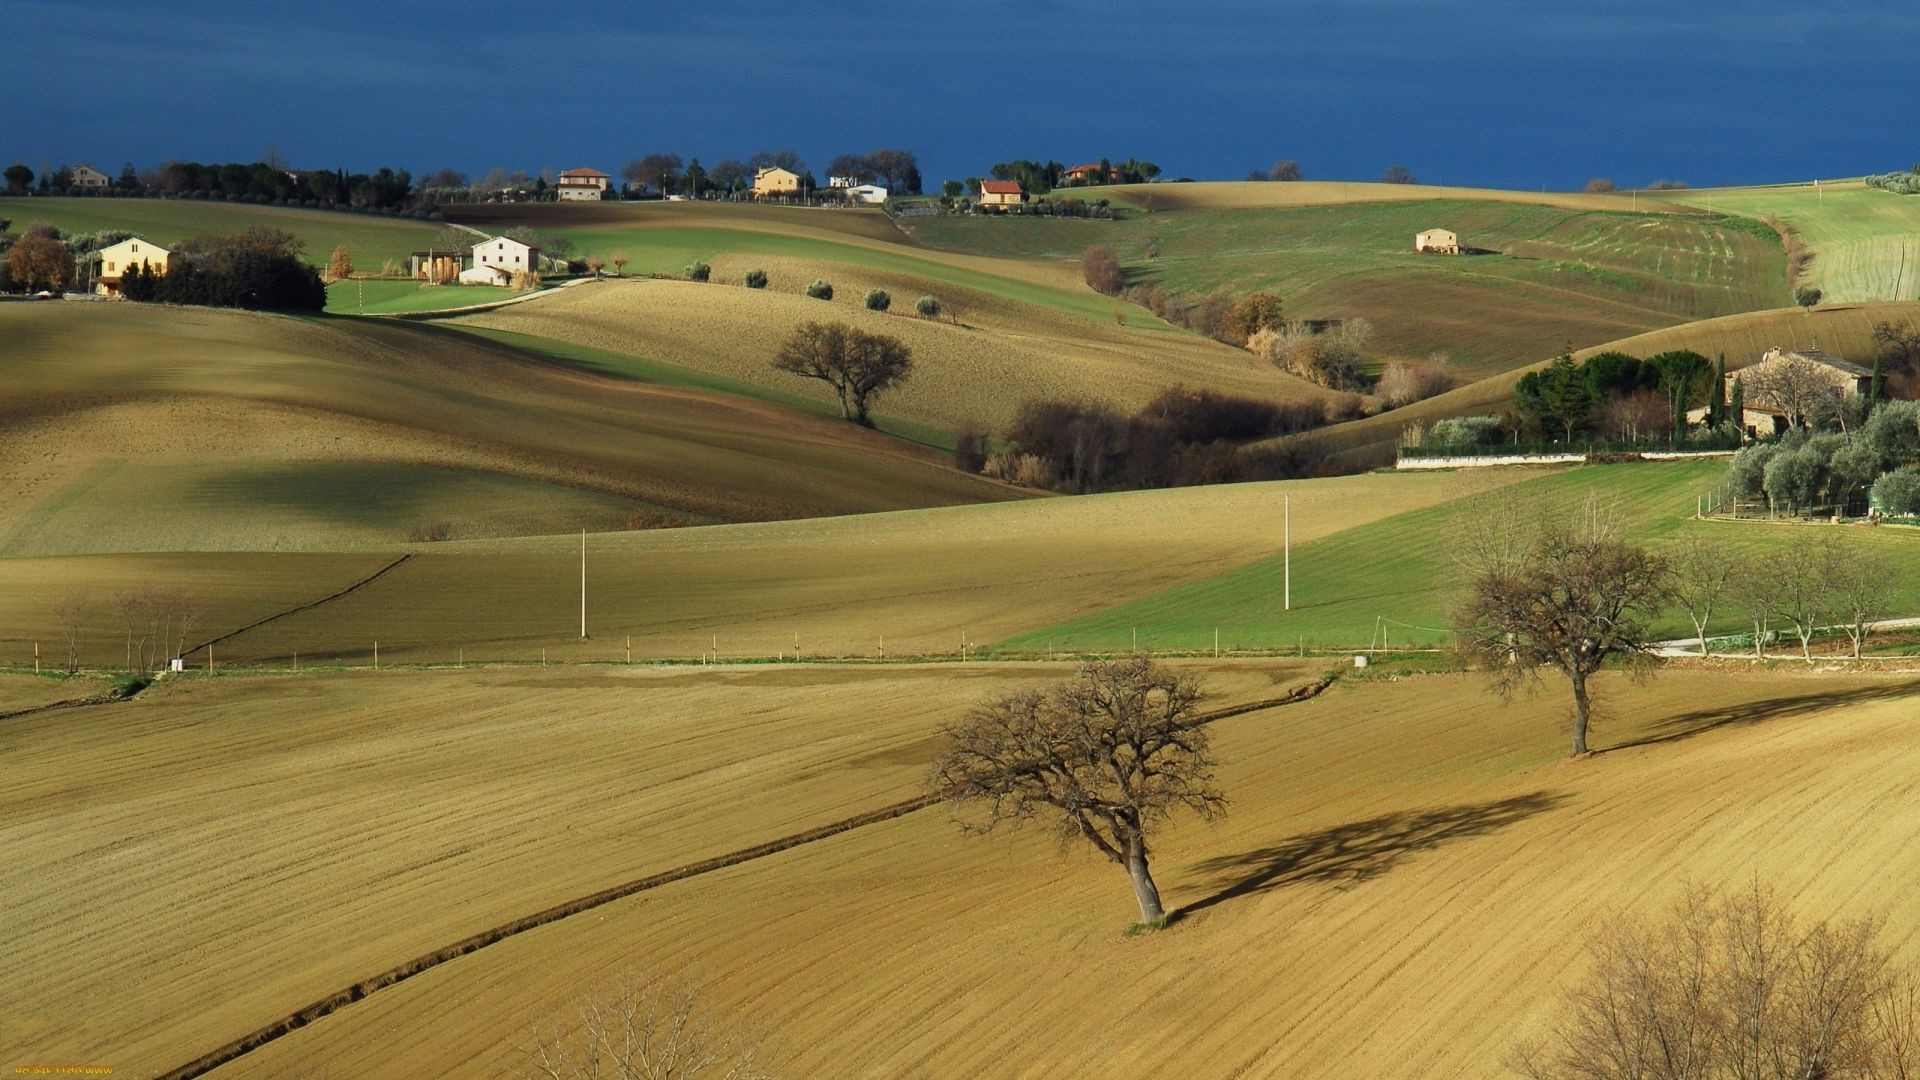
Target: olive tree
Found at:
x=855, y=363
x=1559, y=592
x=1105, y=757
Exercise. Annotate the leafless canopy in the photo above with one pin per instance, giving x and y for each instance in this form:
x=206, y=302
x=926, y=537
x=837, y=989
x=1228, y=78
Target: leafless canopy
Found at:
x=1559, y=590
x=1104, y=757
x=855, y=363
x=1733, y=987
x=647, y=1027
x=1790, y=385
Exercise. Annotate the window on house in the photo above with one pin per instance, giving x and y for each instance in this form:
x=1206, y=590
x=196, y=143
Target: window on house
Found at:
x=109, y=268
x=136, y=249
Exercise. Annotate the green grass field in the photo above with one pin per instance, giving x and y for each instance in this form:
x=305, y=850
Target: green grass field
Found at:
x=1551, y=274
x=354, y=296
x=1402, y=570
x=372, y=239
x=1865, y=242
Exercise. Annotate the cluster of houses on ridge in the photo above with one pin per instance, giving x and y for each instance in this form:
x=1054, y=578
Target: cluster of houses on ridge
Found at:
x=772, y=182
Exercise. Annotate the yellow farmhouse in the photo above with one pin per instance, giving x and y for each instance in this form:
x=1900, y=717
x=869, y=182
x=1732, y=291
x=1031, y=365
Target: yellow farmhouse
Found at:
x=775, y=181
x=109, y=263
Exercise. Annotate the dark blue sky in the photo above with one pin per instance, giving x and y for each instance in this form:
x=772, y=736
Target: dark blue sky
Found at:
x=1495, y=92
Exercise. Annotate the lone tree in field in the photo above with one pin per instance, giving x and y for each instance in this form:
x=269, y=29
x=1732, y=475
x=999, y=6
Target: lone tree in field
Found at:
x=1733, y=987
x=1563, y=593
x=340, y=264
x=855, y=363
x=1104, y=757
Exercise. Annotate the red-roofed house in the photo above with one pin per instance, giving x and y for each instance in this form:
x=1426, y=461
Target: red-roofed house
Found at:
x=583, y=185
x=1001, y=193
x=1090, y=173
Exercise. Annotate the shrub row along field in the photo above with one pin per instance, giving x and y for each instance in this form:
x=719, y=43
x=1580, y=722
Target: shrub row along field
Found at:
x=1542, y=274
x=1403, y=569
x=923, y=581
x=974, y=369
x=236, y=431
x=360, y=821
x=1841, y=329
x=1865, y=244
x=1398, y=891
x=372, y=239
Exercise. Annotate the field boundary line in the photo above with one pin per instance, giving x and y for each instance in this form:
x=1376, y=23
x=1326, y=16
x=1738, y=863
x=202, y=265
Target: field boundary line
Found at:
x=308, y=606
x=325, y=1006
x=70, y=703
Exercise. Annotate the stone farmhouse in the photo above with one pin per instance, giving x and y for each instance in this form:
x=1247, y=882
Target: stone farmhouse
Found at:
x=110, y=263
x=1800, y=374
x=1439, y=241
x=1001, y=193
x=583, y=185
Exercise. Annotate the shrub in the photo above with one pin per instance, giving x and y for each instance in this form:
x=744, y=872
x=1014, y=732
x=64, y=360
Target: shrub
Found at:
x=1101, y=269
x=821, y=289
x=1461, y=432
x=1253, y=313
x=646, y=517
x=756, y=279
x=429, y=534
x=879, y=300
x=927, y=306
x=1405, y=382
x=698, y=271
x=969, y=450
x=1898, y=492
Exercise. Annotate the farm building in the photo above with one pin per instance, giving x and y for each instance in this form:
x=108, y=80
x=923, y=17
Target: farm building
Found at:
x=110, y=262
x=583, y=185
x=497, y=259
x=1441, y=241
x=867, y=194
x=1001, y=193
x=775, y=180
x=1777, y=389
x=438, y=267
x=88, y=178
x=1090, y=173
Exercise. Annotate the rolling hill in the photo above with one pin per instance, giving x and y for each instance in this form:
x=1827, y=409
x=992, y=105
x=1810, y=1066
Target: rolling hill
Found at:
x=373, y=239
x=1865, y=242
x=135, y=428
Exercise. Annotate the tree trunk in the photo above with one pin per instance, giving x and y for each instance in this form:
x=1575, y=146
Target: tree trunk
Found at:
x=1700, y=628
x=1582, y=711
x=1144, y=889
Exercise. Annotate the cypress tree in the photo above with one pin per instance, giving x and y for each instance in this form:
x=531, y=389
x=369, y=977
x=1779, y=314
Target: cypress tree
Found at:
x=1877, y=392
x=1737, y=405
x=1717, y=402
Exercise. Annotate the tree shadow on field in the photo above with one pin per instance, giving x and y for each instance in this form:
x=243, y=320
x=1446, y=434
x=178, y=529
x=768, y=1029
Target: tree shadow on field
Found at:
x=1360, y=850
x=1700, y=721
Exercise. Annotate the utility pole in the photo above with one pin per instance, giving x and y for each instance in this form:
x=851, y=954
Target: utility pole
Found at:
x=1286, y=549
x=583, y=584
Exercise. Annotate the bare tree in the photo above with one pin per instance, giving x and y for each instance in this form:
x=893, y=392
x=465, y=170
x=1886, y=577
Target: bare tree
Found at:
x=1562, y=592
x=1703, y=576
x=647, y=1028
x=1803, y=587
x=1790, y=385
x=1862, y=590
x=1753, y=586
x=855, y=363
x=134, y=607
x=1733, y=987
x=595, y=264
x=1100, y=268
x=69, y=617
x=620, y=263
x=1286, y=171
x=1106, y=756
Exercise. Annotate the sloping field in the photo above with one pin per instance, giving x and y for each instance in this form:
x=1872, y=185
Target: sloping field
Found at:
x=1406, y=874
x=1403, y=570
x=922, y=580
x=1842, y=329
x=245, y=846
x=1541, y=275
x=1865, y=242
x=357, y=297
x=372, y=239
x=1244, y=195
x=139, y=428
x=976, y=371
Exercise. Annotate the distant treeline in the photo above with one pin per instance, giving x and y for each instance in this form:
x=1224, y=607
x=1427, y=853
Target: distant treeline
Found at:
x=263, y=182
x=1900, y=183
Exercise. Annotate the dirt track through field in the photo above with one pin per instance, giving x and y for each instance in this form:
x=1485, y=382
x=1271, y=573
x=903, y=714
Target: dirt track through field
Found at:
x=325, y=1006
x=309, y=606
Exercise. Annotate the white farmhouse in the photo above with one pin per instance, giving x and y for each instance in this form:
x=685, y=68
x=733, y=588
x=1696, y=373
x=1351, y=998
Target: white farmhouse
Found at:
x=497, y=260
x=583, y=185
x=1443, y=241
x=867, y=194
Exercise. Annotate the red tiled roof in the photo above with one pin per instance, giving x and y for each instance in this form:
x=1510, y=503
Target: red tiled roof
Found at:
x=999, y=187
x=1091, y=166
x=589, y=173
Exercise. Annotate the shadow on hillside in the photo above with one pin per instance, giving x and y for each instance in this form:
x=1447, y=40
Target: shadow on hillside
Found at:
x=1360, y=850
x=1701, y=721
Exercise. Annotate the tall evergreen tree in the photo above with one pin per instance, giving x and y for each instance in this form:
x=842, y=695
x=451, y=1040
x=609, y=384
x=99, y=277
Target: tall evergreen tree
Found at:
x=1877, y=391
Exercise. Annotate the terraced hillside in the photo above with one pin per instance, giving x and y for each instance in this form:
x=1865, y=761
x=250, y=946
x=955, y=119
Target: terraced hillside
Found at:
x=1541, y=275
x=134, y=428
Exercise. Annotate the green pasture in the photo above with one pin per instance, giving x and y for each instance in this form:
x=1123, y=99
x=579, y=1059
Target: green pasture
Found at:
x=1865, y=242
x=1402, y=570
x=1547, y=274
x=372, y=239
x=389, y=297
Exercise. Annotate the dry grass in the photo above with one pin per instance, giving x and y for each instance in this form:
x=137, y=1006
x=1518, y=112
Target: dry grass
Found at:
x=978, y=371
x=1395, y=892
x=247, y=845
x=923, y=581
x=137, y=428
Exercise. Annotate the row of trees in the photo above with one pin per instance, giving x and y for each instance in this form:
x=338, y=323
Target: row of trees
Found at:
x=257, y=269
x=1621, y=396
x=1041, y=177
x=1806, y=470
x=263, y=181
x=158, y=624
